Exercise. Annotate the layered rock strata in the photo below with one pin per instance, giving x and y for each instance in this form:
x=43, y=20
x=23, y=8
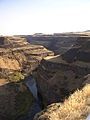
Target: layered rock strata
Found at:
x=18, y=59
x=61, y=75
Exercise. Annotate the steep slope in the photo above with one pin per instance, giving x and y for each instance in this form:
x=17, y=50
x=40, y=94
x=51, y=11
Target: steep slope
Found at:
x=76, y=107
x=60, y=75
x=18, y=59
x=79, y=52
x=17, y=54
x=58, y=44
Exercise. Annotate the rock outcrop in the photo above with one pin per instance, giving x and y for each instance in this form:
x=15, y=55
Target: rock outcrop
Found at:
x=59, y=43
x=16, y=54
x=18, y=59
x=57, y=77
x=61, y=75
x=79, y=52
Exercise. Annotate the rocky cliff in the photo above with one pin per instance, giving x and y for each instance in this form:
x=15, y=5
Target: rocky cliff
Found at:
x=61, y=75
x=18, y=59
x=76, y=107
x=57, y=77
x=59, y=43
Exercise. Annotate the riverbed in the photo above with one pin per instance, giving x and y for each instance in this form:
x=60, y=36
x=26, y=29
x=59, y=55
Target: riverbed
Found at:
x=35, y=108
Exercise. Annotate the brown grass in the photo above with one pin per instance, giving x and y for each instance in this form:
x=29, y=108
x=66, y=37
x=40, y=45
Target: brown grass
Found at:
x=76, y=107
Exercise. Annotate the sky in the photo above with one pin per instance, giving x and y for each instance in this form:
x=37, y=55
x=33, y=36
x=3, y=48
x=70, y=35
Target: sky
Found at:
x=43, y=16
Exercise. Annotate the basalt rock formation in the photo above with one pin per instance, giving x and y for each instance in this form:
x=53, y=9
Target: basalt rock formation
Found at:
x=79, y=52
x=61, y=75
x=57, y=77
x=66, y=82
x=58, y=43
x=18, y=59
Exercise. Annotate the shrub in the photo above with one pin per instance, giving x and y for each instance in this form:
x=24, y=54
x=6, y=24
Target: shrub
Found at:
x=16, y=76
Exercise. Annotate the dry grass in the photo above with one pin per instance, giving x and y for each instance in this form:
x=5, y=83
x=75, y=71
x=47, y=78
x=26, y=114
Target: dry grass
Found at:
x=76, y=107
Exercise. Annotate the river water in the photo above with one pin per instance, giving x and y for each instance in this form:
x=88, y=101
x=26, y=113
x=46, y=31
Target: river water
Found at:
x=31, y=84
x=35, y=108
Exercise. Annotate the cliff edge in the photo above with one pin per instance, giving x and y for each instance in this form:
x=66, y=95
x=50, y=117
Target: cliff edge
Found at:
x=76, y=107
x=18, y=59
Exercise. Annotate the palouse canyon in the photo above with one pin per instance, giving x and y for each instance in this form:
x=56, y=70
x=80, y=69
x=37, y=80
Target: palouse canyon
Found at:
x=45, y=77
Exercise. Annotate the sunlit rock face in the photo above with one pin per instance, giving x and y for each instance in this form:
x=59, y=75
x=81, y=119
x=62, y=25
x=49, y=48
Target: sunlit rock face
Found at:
x=16, y=54
x=18, y=59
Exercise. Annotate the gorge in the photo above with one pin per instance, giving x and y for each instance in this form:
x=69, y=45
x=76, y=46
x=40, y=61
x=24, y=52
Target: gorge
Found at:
x=18, y=59
x=41, y=70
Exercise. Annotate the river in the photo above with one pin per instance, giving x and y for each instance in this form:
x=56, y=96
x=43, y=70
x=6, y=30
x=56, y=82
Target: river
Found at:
x=35, y=108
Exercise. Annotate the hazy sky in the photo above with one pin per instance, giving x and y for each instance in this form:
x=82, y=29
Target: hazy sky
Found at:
x=45, y=16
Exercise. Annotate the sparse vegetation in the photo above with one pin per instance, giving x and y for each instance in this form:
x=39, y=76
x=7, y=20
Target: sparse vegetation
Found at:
x=76, y=107
x=16, y=76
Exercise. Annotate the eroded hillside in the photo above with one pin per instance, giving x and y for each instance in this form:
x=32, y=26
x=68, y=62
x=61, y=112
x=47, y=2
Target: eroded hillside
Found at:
x=18, y=59
x=57, y=76
x=59, y=43
x=61, y=75
x=76, y=107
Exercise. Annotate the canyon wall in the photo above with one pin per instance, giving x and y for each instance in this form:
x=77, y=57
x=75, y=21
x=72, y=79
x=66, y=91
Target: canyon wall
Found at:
x=18, y=59
x=57, y=76
x=63, y=82
x=58, y=44
x=61, y=75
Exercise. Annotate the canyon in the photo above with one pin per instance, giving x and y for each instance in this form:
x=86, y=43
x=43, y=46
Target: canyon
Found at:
x=62, y=74
x=58, y=77
x=44, y=72
x=18, y=59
